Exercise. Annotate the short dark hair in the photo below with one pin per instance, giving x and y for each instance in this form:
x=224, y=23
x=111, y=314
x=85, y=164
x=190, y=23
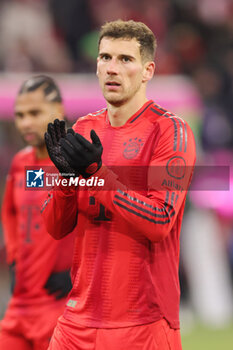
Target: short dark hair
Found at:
x=47, y=84
x=129, y=30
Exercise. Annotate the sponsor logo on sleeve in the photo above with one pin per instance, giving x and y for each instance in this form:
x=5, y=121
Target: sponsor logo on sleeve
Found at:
x=176, y=167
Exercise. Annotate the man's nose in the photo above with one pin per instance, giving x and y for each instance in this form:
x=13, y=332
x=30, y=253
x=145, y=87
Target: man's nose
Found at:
x=26, y=121
x=113, y=67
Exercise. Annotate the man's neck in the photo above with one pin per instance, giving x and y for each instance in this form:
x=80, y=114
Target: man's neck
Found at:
x=118, y=115
x=41, y=152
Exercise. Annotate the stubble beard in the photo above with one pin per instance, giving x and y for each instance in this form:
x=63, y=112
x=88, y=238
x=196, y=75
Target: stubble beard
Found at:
x=115, y=101
x=38, y=142
x=118, y=101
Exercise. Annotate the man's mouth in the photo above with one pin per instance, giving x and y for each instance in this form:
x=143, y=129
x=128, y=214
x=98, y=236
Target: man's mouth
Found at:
x=29, y=136
x=112, y=83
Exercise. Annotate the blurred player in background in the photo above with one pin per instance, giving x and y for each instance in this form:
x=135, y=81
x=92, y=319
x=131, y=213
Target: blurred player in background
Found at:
x=39, y=265
x=126, y=287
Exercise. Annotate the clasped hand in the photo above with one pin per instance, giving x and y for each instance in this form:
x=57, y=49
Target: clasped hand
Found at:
x=71, y=152
x=82, y=155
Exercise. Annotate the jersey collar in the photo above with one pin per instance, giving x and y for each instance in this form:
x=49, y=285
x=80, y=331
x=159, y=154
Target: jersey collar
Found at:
x=134, y=117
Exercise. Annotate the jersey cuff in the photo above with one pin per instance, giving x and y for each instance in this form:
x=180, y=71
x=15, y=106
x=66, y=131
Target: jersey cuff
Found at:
x=65, y=187
x=110, y=180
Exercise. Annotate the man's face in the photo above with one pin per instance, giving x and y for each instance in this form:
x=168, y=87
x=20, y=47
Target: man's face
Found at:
x=32, y=115
x=119, y=69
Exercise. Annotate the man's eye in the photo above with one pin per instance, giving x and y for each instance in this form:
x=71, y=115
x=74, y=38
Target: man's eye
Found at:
x=125, y=59
x=105, y=57
x=35, y=113
x=19, y=115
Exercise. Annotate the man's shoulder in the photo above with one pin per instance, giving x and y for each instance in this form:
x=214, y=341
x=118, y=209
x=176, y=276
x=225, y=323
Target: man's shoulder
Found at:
x=166, y=119
x=21, y=159
x=24, y=154
x=91, y=117
x=175, y=133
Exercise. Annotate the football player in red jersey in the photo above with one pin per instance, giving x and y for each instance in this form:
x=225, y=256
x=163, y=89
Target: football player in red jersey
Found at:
x=39, y=265
x=126, y=288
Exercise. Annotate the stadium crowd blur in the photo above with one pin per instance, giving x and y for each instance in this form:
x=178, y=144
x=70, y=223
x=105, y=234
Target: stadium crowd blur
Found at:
x=195, y=38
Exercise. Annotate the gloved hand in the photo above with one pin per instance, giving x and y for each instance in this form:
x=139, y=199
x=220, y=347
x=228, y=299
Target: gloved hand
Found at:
x=12, y=267
x=83, y=156
x=55, y=132
x=59, y=284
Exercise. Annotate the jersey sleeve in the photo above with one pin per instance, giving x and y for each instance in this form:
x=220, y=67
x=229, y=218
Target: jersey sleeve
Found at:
x=9, y=220
x=60, y=211
x=154, y=211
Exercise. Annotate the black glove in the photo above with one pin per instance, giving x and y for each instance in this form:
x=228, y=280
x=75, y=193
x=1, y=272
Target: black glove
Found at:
x=59, y=284
x=12, y=267
x=83, y=156
x=55, y=132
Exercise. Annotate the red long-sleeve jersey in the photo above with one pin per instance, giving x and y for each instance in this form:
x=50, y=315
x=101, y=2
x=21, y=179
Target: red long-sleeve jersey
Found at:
x=126, y=257
x=35, y=252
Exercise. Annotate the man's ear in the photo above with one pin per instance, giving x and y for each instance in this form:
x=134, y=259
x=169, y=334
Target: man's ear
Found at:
x=148, y=71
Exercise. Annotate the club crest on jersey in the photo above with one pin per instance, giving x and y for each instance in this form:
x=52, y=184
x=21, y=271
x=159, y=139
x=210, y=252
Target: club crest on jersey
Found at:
x=132, y=148
x=35, y=178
